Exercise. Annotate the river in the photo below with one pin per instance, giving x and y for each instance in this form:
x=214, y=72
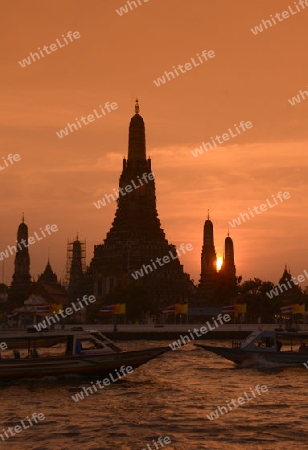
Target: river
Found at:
x=170, y=397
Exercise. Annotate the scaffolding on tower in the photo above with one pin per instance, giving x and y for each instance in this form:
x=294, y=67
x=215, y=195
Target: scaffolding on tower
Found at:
x=75, y=264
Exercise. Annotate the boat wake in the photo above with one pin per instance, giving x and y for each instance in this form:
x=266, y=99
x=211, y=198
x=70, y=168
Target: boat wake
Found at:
x=263, y=365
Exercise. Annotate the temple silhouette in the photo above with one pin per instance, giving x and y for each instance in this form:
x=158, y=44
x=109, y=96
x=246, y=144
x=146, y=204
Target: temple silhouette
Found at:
x=135, y=240
x=136, y=236
x=21, y=281
x=215, y=287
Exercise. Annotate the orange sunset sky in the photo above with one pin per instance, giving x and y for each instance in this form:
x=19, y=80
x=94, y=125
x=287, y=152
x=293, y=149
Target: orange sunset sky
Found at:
x=116, y=59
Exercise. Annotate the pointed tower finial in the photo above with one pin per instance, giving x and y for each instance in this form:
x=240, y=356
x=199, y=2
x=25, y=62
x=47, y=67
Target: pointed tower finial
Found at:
x=208, y=214
x=137, y=109
x=228, y=232
x=23, y=217
x=136, y=138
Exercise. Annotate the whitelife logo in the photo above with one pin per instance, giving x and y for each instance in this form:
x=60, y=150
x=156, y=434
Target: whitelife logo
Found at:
x=241, y=401
x=184, y=68
x=203, y=330
x=68, y=311
x=275, y=292
x=139, y=273
x=128, y=188
x=285, y=15
x=124, y=9
x=18, y=429
x=106, y=382
x=295, y=100
x=161, y=441
x=64, y=132
x=53, y=47
x=11, y=158
x=31, y=240
x=223, y=138
x=262, y=207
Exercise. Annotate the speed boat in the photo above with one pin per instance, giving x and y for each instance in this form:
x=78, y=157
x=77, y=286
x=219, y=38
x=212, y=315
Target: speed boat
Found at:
x=278, y=346
x=74, y=351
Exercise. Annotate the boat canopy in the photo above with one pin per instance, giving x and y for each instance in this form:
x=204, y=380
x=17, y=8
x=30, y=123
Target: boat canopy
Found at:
x=269, y=340
x=79, y=341
x=265, y=340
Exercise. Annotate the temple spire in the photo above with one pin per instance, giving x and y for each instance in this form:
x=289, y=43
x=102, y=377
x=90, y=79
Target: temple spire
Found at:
x=137, y=109
x=208, y=234
x=21, y=278
x=208, y=261
x=136, y=235
x=136, y=139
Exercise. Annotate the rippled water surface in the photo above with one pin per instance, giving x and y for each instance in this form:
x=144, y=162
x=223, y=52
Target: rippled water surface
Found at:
x=169, y=396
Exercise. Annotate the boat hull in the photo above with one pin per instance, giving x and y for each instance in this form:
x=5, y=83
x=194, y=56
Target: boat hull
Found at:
x=239, y=356
x=83, y=365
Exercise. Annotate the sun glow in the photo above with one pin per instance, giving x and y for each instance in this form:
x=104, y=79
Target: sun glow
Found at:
x=219, y=262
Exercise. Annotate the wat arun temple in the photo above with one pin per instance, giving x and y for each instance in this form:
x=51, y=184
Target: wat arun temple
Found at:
x=135, y=240
x=136, y=236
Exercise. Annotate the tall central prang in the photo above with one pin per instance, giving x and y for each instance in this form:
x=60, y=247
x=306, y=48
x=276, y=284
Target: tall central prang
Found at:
x=136, y=237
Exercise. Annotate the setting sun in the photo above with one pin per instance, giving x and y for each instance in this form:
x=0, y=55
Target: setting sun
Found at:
x=219, y=262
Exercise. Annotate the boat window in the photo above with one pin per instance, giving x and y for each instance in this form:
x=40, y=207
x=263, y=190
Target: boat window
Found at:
x=16, y=354
x=249, y=339
x=89, y=344
x=69, y=345
x=303, y=348
x=265, y=342
x=34, y=353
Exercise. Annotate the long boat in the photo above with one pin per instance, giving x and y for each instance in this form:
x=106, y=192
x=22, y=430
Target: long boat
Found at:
x=75, y=351
x=274, y=346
